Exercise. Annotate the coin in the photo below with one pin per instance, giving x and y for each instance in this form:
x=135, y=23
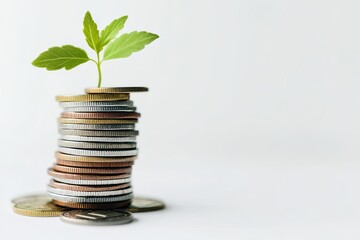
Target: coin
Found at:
x=97, y=217
x=127, y=103
x=92, y=97
x=110, y=205
x=97, y=126
x=140, y=204
x=100, y=109
x=61, y=156
x=97, y=121
x=36, y=206
x=98, y=188
x=116, y=90
x=107, y=199
x=102, y=115
x=95, y=145
x=82, y=170
x=74, y=176
x=94, y=164
x=32, y=197
x=98, y=133
x=98, y=153
x=93, y=182
x=97, y=139
x=89, y=194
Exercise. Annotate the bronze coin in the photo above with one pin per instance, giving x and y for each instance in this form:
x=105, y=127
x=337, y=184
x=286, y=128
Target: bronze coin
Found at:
x=94, y=164
x=61, y=175
x=95, y=188
x=110, y=205
x=100, y=171
x=75, y=158
x=98, y=115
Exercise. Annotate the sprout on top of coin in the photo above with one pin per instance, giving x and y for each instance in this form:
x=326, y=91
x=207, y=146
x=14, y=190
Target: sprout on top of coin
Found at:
x=68, y=56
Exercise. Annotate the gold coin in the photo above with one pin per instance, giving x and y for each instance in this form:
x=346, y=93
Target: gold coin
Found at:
x=36, y=206
x=76, y=158
x=97, y=121
x=116, y=90
x=93, y=97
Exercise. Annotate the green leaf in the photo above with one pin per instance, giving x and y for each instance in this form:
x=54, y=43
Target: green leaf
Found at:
x=91, y=32
x=127, y=44
x=111, y=30
x=56, y=58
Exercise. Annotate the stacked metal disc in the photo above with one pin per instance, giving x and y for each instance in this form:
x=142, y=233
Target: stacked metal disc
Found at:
x=96, y=149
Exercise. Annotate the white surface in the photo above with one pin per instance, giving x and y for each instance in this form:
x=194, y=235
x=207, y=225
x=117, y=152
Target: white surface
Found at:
x=250, y=129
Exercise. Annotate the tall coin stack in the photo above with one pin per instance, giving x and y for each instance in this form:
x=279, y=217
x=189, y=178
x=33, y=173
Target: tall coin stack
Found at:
x=96, y=149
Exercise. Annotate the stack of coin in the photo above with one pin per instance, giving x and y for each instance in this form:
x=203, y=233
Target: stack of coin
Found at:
x=96, y=149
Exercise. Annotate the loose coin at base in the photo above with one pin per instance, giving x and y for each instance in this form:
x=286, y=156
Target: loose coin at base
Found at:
x=97, y=217
x=110, y=205
x=140, y=204
x=116, y=90
x=92, y=97
x=37, y=206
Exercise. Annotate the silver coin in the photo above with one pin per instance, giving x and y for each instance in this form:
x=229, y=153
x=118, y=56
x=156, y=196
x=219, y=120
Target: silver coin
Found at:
x=95, y=104
x=97, y=139
x=88, y=194
x=93, y=182
x=73, y=199
x=93, y=145
x=101, y=109
x=93, y=133
x=97, y=126
x=97, y=217
x=98, y=153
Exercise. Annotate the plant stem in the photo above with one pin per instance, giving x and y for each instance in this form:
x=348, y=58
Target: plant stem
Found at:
x=98, y=63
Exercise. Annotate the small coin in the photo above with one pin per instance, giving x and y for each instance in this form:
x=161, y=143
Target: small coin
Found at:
x=36, y=206
x=97, y=139
x=97, y=126
x=98, y=153
x=82, y=170
x=62, y=156
x=140, y=204
x=93, y=182
x=62, y=175
x=127, y=103
x=31, y=197
x=98, y=115
x=93, y=97
x=89, y=194
x=95, y=145
x=100, y=109
x=94, y=164
x=97, y=121
x=110, y=205
x=97, y=217
x=98, y=188
x=107, y=199
x=116, y=90
x=98, y=133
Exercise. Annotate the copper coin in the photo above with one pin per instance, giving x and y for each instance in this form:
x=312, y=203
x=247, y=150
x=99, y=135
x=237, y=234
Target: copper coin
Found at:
x=110, y=205
x=116, y=90
x=61, y=175
x=97, y=115
x=100, y=171
x=94, y=164
x=68, y=157
x=98, y=188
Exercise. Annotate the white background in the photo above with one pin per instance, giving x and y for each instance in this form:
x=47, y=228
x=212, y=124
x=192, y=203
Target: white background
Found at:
x=250, y=129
